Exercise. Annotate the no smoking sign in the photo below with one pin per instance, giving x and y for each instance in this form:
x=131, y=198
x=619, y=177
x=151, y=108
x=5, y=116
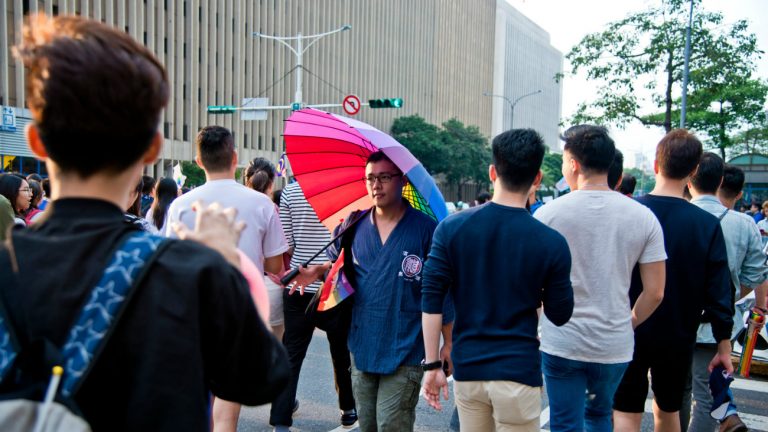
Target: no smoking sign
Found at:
x=351, y=104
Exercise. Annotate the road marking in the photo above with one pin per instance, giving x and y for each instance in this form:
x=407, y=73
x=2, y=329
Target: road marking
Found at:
x=751, y=385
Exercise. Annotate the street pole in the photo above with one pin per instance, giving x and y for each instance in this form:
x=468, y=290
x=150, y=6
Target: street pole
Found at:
x=686, y=69
x=512, y=108
x=511, y=104
x=299, y=53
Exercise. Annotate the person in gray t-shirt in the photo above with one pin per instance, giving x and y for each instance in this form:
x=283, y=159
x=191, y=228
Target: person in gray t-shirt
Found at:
x=608, y=234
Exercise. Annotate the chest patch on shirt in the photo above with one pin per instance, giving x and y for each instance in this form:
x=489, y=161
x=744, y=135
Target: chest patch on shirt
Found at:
x=411, y=266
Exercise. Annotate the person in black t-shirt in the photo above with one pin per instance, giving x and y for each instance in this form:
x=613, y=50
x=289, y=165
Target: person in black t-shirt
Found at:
x=698, y=280
x=190, y=329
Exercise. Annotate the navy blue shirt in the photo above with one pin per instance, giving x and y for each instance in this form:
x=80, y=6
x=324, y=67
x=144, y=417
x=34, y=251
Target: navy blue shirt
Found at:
x=386, y=316
x=499, y=264
x=697, y=279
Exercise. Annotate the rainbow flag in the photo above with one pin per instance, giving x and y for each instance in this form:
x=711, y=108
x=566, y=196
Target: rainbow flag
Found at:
x=336, y=286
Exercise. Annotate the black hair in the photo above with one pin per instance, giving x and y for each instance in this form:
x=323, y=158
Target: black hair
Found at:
x=591, y=146
x=147, y=184
x=628, y=184
x=165, y=192
x=37, y=194
x=34, y=176
x=260, y=174
x=135, y=207
x=216, y=148
x=482, y=197
x=517, y=157
x=616, y=169
x=379, y=156
x=9, y=188
x=733, y=181
x=709, y=174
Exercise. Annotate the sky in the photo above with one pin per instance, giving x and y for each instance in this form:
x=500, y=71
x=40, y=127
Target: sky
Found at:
x=575, y=19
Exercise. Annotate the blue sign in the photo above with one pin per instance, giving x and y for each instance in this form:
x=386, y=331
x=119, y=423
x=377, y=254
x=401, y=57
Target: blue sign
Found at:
x=9, y=119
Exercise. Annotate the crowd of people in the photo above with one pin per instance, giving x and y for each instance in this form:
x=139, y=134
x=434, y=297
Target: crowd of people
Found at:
x=620, y=287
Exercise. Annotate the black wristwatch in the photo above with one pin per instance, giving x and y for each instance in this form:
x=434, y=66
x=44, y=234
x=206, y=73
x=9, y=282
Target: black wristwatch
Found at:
x=437, y=364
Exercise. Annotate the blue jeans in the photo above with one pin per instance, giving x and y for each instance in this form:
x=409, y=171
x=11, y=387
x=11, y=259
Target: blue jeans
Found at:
x=580, y=393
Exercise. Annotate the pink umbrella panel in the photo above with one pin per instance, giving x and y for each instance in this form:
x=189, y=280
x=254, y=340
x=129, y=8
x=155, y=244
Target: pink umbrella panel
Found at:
x=327, y=154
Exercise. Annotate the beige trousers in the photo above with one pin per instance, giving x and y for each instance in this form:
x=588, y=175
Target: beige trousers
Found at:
x=488, y=406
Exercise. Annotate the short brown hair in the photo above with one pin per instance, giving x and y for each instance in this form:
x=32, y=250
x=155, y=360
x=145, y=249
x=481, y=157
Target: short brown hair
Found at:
x=95, y=93
x=678, y=154
x=215, y=148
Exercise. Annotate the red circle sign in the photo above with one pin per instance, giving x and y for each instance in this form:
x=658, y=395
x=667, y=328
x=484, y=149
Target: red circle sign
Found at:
x=351, y=104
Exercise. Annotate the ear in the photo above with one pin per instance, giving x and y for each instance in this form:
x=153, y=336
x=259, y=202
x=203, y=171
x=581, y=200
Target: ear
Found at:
x=618, y=183
x=655, y=166
x=537, y=179
x=199, y=162
x=152, y=153
x=492, y=174
x=234, y=161
x=35, y=143
x=740, y=195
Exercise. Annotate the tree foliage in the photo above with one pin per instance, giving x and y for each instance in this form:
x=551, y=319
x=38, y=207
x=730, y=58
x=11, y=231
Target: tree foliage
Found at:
x=195, y=174
x=645, y=182
x=460, y=153
x=639, y=61
x=552, y=169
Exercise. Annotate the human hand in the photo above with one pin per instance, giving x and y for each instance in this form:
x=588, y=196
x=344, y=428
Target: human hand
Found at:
x=307, y=275
x=445, y=356
x=722, y=357
x=434, y=381
x=216, y=228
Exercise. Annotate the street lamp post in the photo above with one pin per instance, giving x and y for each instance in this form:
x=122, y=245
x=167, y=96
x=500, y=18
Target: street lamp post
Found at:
x=512, y=104
x=299, y=52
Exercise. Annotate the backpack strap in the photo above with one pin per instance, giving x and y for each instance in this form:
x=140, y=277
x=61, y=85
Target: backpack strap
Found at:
x=723, y=215
x=105, y=306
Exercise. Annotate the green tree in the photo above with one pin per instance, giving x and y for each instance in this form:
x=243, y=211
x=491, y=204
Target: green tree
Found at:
x=640, y=58
x=729, y=106
x=466, y=153
x=195, y=175
x=645, y=182
x=422, y=139
x=552, y=169
x=752, y=140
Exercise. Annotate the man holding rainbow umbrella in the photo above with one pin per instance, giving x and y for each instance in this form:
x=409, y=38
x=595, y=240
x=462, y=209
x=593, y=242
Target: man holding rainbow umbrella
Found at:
x=347, y=166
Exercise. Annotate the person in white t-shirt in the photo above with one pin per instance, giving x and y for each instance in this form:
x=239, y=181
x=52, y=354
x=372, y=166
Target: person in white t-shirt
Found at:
x=608, y=234
x=262, y=240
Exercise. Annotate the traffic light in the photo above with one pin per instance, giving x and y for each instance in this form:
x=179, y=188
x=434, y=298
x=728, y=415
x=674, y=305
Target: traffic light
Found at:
x=221, y=109
x=386, y=103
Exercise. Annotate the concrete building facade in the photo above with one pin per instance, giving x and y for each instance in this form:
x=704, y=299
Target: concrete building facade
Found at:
x=438, y=56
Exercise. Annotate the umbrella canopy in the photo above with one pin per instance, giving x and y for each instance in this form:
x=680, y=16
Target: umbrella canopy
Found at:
x=327, y=153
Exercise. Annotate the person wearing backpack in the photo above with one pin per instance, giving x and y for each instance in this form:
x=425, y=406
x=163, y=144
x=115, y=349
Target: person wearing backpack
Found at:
x=140, y=349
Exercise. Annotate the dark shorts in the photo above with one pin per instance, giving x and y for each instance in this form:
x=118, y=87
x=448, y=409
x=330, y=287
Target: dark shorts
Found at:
x=669, y=372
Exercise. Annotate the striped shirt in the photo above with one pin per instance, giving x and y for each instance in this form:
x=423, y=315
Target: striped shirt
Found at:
x=302, y=228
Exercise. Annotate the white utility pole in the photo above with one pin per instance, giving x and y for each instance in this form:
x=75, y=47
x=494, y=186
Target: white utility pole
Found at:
x=299, y=51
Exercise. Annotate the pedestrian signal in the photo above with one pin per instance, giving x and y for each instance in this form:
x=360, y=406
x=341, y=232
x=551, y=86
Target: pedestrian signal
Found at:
x=386, y=103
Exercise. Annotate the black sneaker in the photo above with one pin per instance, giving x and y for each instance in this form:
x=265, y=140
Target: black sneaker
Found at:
x=347, y=420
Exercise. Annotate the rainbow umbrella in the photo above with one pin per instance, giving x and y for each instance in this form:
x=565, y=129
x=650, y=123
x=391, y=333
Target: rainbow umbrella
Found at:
x=327, y=153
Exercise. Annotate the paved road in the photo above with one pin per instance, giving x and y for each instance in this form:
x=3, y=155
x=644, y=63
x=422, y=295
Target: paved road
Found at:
x=319, y=413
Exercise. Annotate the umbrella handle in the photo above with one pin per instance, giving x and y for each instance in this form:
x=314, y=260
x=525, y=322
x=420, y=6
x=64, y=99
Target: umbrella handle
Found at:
x=289, y=277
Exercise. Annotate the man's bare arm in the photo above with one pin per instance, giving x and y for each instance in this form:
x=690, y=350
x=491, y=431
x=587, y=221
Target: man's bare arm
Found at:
x=653, y=276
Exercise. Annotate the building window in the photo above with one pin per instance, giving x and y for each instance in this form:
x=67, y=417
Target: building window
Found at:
x=185, y=133
x=261, y=145
x=274, y=147
x=245, y=140
x=199, y=95
x=166, y=129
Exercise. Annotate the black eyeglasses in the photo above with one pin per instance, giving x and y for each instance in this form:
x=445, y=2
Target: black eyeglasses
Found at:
x=382, y=178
